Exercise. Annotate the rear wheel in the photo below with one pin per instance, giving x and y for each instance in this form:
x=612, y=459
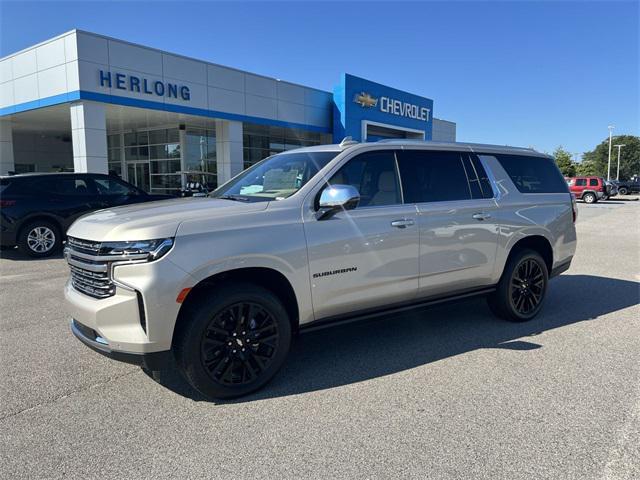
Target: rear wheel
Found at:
x=589, y=198
x=522, y=288
x=235, y=341
x=40, y=238
x=623, y=191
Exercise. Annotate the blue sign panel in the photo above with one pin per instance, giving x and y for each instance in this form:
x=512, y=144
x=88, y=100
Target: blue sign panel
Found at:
x=359, y=102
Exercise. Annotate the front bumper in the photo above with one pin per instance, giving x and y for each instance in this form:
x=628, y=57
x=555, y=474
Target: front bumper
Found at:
x=151, y=361
x=139, y=316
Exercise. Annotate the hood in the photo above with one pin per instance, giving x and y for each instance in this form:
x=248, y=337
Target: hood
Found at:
x=145, y=221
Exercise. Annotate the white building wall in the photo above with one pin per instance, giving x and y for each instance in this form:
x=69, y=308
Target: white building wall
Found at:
x=228, y=150
x=89, y=134
x=212, y=87
x=37, y=73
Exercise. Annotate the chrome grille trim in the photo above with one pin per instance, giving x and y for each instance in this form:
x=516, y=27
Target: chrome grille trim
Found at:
x=92, y=267
x=89, y=271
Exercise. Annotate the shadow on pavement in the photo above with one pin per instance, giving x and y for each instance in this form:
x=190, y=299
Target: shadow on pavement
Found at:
x=18, y=255
x=360, y=351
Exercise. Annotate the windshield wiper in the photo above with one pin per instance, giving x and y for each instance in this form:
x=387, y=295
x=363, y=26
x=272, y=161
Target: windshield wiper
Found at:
x=236, y=198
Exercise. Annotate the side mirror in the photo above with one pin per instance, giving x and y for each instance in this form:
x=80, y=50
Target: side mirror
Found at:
x=338, y=197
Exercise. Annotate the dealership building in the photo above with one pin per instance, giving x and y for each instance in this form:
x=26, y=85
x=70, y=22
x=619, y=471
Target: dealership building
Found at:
x=88, y=103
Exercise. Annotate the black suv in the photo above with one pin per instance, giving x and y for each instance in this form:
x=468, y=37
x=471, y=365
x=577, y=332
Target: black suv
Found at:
x=37, y=209
x=626, y=187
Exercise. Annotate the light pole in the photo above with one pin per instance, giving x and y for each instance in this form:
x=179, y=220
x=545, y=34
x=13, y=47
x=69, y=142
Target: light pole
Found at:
x=610, y=127
x=619, y=147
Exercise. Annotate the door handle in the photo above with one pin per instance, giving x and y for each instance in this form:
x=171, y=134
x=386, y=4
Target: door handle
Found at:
x=404, y=223
x=481, y=216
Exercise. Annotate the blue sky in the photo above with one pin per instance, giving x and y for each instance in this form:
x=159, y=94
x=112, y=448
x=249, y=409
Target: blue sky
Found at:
x=521, y=73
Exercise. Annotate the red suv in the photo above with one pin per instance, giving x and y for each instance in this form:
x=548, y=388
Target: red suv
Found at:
x=589, y=189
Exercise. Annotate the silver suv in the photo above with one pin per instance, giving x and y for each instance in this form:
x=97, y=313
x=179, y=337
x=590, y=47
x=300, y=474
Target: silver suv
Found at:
x=308, y=237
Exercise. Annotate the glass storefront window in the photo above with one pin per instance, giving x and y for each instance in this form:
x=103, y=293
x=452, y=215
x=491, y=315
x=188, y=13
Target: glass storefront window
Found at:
x=165, y=182
x=159, y=151
x=261, y=141
x=115, y=167
x=165, y=166
x=200, y=157
x=113, y=141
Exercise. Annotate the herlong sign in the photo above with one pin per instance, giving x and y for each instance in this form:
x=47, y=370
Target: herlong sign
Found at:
x=133, y=83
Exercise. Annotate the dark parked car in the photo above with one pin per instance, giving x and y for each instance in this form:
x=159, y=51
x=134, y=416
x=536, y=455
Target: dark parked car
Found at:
x=37, y=209
x=626, y=187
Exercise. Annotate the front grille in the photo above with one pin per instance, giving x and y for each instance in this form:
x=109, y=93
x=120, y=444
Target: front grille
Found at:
x=88, y=275
x=94, y=284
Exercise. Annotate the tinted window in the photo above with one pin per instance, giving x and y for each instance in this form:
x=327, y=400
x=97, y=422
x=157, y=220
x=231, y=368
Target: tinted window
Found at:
x=593, y=182
x=4, y=185
x=581, y=182
x=483, y=178
x=110, y=186
x=68, y=185
x=374, y=175
x=477, y=176
x=533, y=174
x=429, y=176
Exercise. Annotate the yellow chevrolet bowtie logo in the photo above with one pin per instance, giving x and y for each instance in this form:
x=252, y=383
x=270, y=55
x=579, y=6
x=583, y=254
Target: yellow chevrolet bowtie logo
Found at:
x=365, y=100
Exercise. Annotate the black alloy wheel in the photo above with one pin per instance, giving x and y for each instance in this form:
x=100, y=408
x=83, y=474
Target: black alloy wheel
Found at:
x=232, y=339
x=527, y=286
x=239, y=343
x=521, y=290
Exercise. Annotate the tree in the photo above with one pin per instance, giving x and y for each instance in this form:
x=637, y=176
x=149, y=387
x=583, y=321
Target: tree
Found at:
x=563, y=160
x=595, y=162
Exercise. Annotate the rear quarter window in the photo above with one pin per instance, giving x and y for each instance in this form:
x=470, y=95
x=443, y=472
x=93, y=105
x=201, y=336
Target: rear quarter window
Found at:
x=533, y=174
x=4, y=186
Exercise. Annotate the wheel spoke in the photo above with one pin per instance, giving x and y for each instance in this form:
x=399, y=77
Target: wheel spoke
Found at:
x=232, y=352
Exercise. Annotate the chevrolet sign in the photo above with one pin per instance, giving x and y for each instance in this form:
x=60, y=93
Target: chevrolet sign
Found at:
x=394, y=107
x=404, y=109
x=365, y=100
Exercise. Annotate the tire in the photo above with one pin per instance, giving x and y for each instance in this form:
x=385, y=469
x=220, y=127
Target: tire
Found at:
x=589, y=198
x=40, y=238
x=623, y=191
x=518, y=300
x=234, y=341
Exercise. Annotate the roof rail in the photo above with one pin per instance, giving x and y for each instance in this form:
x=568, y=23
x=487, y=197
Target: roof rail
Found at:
x=456, y=144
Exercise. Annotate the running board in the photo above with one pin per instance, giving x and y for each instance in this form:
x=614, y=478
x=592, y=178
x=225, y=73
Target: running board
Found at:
x=372, y=313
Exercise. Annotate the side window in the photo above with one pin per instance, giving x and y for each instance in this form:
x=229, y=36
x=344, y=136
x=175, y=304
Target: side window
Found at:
x=111, y=186
x=593, y=182
x=479, y=183
x=431, y=176
x=581, y=182
x=69, y=185
x=533, y=174
x=485, y=183
x=374, y=175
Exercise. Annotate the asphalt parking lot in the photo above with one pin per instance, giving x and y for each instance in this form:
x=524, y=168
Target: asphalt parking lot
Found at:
x=449, y=392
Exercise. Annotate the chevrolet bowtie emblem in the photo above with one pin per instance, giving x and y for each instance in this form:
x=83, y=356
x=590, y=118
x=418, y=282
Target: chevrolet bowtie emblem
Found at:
x=365, y=100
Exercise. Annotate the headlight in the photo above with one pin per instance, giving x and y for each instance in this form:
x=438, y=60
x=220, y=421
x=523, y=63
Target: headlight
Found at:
x=138, y=249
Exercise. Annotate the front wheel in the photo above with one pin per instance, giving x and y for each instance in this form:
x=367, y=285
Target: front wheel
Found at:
x=589, y=198
x=235, y=340
x=40, y=239
x=522, y=287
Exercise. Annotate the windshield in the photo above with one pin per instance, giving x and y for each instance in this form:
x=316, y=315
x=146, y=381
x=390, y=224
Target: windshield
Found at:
x=276, y=177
